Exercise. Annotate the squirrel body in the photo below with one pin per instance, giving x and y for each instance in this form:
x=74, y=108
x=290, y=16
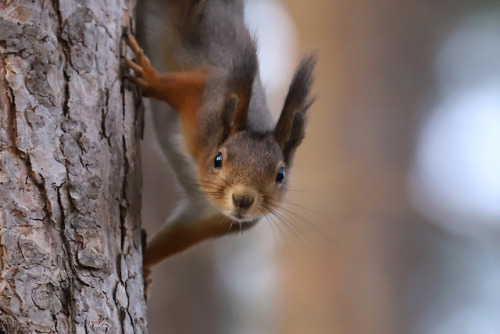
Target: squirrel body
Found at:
x=227, y=154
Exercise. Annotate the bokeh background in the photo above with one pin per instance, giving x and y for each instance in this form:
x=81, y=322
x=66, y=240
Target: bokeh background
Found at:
x=393, y=220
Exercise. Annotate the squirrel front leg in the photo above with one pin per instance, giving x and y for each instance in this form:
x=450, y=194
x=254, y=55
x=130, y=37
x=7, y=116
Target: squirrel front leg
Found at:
x=177, y=236
x=182, y=234
x=182, y=90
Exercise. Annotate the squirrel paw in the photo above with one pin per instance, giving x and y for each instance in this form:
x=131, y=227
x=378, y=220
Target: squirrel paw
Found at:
x=145, y=76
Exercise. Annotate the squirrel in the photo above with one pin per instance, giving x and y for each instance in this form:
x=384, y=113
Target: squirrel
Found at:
x=227, y=153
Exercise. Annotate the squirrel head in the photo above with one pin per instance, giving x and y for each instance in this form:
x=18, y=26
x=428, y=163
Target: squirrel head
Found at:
x=245, y=176
x=245, y=173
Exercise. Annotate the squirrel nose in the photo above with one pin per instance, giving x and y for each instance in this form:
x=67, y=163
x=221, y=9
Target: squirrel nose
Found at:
x=243, y=201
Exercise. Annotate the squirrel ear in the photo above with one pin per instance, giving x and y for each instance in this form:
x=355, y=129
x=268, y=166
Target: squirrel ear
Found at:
x=227, y=113
x=240, y=114
x=289, y=130
x=240, y=85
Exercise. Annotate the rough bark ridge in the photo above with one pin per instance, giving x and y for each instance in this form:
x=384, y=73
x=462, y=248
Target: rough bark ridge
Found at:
x=70, y=244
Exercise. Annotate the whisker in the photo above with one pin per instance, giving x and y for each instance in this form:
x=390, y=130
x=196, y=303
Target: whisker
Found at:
x=309, y=223
x=276, y=206
x=292, y=225
x=273, y=213
x=287, y=201
x=299, y=235
x=261, y=211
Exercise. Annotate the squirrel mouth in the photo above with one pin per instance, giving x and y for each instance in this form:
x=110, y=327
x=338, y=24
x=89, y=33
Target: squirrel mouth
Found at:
x=241, y=218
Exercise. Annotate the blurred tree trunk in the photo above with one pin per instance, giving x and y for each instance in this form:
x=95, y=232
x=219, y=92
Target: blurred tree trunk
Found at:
x=376, y=75
x=70, y=239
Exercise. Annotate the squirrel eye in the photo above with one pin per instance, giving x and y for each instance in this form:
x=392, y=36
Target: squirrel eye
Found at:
x=280, y=176
x=218, y=161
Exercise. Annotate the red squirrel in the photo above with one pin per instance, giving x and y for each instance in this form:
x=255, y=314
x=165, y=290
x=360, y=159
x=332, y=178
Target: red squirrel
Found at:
x=231, y=159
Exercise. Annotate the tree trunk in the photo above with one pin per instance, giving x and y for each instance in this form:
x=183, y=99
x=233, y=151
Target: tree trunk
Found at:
x=70, y=237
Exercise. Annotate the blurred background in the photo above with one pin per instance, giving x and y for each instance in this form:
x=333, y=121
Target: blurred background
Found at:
x=392, y=222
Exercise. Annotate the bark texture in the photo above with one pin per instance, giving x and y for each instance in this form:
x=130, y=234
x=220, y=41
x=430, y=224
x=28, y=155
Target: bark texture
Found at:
x=70, y=239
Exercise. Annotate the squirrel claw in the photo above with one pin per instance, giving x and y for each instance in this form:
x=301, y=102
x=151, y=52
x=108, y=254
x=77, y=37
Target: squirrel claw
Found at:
x=142, y=60
x=139, y=82
x=136, y=68
x=147, y=282
x=132, y=42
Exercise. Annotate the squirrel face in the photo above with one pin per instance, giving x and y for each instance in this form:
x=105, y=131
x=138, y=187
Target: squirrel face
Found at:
x=245, y=177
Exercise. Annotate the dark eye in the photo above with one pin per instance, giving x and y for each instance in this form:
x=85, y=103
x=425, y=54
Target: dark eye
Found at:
x=280, y=176
x=218, y=161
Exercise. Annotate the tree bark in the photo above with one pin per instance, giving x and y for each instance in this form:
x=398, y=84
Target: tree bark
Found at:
x=70, y=237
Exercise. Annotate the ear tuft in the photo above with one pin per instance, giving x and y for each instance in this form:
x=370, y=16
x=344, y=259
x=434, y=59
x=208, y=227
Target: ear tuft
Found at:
x=243, y=70
x=300, y=88
x=289, y=130
x=240, y=84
